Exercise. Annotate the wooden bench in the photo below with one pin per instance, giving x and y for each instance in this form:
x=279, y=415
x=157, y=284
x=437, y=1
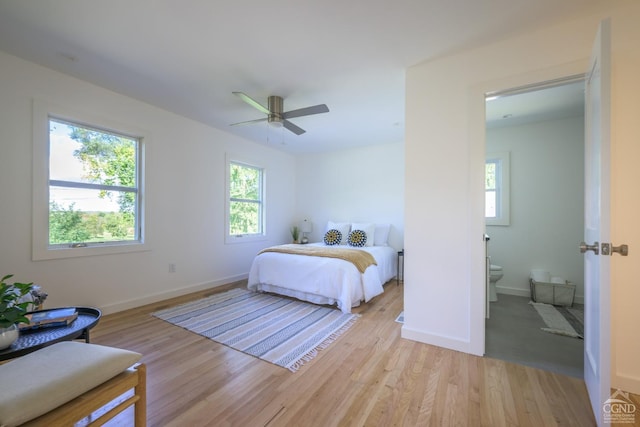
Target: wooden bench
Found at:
x=68, y=382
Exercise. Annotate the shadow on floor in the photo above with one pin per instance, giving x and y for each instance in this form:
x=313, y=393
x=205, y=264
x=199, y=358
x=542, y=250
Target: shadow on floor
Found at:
x=513, y=334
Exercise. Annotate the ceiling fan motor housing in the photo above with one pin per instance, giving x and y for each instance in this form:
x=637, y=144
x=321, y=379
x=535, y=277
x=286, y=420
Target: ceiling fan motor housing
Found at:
x=276, y=105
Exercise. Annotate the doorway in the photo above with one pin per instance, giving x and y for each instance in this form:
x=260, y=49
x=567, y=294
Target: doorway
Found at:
x=540, y=130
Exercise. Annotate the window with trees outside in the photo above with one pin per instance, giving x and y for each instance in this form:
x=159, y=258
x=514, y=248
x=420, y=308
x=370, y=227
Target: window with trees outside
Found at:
x=93, y=186
x=245, y=207
x=88, y=183
x=497, y=189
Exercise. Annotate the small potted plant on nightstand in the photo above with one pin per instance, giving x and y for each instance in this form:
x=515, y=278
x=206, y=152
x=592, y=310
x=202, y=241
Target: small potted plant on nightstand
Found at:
x=295, y=233
x=12, y=309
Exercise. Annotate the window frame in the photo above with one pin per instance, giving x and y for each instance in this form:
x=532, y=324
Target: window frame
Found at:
x=503, y=171
x=244, y=238
x=41, y=249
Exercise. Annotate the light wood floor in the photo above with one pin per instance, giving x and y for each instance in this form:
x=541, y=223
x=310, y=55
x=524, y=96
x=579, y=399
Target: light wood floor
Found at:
x=369, y=377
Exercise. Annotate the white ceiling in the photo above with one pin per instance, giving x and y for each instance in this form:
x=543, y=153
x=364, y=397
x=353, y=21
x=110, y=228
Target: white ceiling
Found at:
x=188, y=56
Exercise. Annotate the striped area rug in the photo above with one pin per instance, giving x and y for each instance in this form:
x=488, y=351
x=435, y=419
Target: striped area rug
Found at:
x=282, y=331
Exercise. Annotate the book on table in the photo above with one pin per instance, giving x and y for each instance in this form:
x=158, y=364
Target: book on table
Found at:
x=49, y=318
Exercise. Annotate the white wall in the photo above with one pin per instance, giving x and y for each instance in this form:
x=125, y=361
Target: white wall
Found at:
x=185, y=196
x=185, y=192
x=547, y=203
x=625, y=200
x=444, y=160
x=355, y=185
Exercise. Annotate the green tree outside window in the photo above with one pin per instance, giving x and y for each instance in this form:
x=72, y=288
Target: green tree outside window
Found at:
x=245, y=194
x=108, y=172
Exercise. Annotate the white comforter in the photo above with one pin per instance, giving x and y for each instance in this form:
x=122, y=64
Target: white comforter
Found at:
x=323, y=280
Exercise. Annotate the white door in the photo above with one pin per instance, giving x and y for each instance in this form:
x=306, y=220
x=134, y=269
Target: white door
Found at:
x=597, y=359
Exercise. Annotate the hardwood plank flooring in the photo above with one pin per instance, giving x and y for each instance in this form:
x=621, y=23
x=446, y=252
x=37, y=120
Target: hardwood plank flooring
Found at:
x=369, y=377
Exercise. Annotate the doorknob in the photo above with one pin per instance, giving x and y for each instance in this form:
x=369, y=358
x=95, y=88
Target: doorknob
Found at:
x=622, y=249
x=609, y=249
x=584, y=248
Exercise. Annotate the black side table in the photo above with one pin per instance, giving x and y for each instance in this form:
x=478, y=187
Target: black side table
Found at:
x=36, y=339
x=400, y=277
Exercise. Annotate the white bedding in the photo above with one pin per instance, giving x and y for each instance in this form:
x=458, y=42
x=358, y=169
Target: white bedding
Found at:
x=323, y=280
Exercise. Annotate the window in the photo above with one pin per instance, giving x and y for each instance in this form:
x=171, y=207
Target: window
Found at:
x=497, y=189
x=87, y=188
x=491, y=190
x=245, y=207
x=93, y=191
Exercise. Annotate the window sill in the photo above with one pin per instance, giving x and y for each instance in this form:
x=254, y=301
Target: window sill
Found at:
x=106, y=249
x=498, y=222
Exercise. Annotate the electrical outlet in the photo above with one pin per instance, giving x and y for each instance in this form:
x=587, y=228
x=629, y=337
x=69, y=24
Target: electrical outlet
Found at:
x=172, y=268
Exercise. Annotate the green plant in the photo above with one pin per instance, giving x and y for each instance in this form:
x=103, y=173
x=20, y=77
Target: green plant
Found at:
x=295, y=233
x=12, y=311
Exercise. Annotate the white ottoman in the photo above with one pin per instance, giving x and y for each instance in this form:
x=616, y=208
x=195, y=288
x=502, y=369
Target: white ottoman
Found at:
x=50, y=386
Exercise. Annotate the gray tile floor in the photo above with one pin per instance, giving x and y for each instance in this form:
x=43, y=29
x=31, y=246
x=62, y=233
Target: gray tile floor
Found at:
x=513, y=334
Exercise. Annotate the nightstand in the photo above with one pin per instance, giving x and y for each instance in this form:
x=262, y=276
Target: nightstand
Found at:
x=399, y=276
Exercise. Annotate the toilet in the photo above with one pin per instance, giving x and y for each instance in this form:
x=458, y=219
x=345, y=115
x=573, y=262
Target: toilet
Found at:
x=495, y=274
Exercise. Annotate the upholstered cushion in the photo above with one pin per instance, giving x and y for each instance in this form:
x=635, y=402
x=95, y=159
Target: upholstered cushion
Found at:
x=342, y=227
x=369, y=228
x=357, y=238
x=41, y=381
x=332, y=237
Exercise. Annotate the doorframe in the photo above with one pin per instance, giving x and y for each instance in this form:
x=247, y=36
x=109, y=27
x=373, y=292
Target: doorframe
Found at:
x=477, y=128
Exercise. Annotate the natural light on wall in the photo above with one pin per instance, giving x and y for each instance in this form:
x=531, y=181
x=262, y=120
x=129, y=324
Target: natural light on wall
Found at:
x=497, y=189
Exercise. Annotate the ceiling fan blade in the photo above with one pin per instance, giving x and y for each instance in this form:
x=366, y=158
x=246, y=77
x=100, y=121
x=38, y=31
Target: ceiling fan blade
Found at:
x=316, y=109
x=248, y=122
x=293, y=128
x=255, y=104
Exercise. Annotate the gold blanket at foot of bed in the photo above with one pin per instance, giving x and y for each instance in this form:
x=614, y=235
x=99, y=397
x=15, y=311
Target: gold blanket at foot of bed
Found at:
x=361, y=259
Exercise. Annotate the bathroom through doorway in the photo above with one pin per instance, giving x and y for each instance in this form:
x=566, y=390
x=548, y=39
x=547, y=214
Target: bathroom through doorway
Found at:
x=534, y=216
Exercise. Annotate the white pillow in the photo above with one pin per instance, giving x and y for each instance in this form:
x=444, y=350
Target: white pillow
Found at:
x=343, y=227
x=369, y=228
x=382, y=235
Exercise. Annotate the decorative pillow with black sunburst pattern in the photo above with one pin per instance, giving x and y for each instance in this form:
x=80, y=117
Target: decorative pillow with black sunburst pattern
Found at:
x=332, y=237
x=357, y=238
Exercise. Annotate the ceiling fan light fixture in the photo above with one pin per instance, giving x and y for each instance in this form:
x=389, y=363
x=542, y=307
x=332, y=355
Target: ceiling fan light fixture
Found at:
x=274, y=121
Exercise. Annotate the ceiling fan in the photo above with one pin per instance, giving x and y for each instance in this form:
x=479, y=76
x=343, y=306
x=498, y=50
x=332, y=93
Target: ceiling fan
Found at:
x=275, y=116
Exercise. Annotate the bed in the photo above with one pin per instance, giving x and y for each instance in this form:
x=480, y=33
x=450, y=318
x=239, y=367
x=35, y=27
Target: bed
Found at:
x=323, y=279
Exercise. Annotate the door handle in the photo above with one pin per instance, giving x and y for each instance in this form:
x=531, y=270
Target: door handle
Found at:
x=622, y=250
x=609, y=249
x=584, y=247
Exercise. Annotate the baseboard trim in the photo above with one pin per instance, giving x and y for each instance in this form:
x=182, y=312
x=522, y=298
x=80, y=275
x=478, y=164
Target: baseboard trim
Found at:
x=438, y=340
x=161, y=296
x=513, y=291
x=626, y=383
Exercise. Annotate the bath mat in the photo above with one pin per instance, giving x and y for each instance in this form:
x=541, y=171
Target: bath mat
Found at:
x=400, y=318
x=575, y=318
x=282, y=331
x=561, y=320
